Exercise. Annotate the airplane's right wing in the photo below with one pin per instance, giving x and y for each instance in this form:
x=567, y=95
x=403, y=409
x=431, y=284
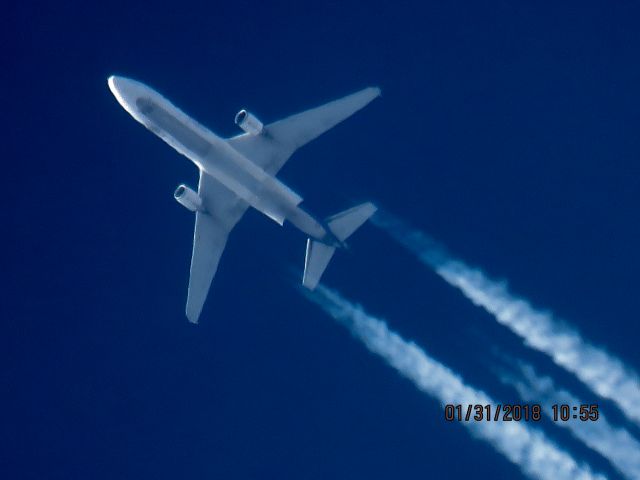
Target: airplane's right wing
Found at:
x=223, y=209
x=273, y=147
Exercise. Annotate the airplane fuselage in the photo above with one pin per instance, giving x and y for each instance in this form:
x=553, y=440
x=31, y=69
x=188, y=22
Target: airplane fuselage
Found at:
x=216, y=157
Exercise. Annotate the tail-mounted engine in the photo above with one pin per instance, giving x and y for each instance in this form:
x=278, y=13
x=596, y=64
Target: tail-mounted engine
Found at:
x=249, y=123
x=188, y=198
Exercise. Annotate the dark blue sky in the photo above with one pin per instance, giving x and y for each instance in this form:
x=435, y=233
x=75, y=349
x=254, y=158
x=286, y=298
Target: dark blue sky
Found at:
x=507, y=131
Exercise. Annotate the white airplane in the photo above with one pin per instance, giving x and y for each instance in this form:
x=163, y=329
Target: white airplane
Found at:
x=239, y=172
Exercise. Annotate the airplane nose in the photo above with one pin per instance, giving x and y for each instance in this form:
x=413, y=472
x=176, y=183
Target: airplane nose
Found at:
x=129, y=93
x=114, y=84
x=120, y=84
x=125, y=90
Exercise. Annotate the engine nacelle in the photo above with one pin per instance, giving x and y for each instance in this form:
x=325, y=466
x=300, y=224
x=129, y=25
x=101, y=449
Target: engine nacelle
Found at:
x=188, y=198
x=249, y=123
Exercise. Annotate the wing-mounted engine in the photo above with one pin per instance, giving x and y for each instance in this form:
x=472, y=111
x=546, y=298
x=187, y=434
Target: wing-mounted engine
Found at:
x=188, y=198
x=249, y=123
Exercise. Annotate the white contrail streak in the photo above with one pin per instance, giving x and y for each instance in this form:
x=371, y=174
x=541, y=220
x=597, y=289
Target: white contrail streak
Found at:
x=536, y=455
x=604, y=374
x=614, y=443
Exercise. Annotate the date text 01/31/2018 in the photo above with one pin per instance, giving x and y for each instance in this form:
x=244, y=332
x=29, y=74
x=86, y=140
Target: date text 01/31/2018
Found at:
x=516, y=412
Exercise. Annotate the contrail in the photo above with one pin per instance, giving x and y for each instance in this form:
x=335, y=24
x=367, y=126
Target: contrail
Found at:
x=536, y=455
x=615, y=444
x=604, y=374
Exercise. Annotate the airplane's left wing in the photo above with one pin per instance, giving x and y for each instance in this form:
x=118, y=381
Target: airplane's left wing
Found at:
x=272, y=148
x=222, y=210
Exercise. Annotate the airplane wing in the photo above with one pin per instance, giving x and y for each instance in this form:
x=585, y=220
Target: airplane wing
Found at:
x=273, y=147
x=223, y=209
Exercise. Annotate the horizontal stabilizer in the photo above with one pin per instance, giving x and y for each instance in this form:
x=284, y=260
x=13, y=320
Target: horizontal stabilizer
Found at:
x=342, y=226
x=316, y=261
x=345, y=223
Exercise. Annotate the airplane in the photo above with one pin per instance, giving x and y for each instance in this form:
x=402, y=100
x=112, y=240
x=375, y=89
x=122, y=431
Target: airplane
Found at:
x=239, y=172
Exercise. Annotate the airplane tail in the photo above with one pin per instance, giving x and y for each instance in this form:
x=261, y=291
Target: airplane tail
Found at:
x=342, y=225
